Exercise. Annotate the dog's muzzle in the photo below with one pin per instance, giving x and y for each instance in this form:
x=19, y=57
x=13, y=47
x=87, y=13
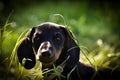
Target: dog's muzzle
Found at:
x=45, y=52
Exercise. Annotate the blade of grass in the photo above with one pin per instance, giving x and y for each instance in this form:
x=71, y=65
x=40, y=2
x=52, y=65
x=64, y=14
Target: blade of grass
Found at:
x=14, y=60
x=61, y=17
x=82, y=50
x=12, y=57
x=68, y=76
x=2, y=31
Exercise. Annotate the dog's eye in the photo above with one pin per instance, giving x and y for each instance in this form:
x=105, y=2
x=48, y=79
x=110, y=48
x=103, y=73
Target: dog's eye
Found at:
x=57, y=37
x=36, y=37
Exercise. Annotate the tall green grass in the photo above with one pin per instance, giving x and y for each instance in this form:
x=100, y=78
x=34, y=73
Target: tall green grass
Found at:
x=103, y=55
x=90, y=26
x=10, y=67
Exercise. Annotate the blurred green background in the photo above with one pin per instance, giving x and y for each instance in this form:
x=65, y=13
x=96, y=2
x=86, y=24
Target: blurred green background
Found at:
x=95, y=24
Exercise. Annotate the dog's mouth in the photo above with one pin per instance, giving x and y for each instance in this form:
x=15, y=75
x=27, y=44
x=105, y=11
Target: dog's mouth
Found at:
x=47, y=60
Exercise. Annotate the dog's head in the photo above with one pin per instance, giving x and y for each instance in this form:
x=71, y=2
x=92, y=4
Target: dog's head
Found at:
x=48, y=43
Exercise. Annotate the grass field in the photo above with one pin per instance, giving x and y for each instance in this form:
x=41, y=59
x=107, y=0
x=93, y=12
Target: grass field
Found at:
x=95, y=27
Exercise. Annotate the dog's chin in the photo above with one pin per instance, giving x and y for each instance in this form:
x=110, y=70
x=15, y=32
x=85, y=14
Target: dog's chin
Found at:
x=47, y=62
x=47, y=65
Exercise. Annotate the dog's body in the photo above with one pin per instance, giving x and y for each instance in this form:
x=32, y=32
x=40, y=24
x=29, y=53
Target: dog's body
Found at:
x=53, y=44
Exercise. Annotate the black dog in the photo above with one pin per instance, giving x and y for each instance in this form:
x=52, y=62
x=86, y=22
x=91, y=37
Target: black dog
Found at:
x=53, y=44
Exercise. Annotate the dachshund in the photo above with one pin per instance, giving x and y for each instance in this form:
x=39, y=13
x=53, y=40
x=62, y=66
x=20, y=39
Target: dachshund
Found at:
x=53, y=44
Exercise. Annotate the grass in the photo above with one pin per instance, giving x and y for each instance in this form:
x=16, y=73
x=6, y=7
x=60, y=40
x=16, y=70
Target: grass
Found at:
x=102, y=55
x=90, y=27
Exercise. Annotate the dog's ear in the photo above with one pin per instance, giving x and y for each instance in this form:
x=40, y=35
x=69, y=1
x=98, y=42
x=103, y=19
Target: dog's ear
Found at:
x=25, y=52
x=72, y=48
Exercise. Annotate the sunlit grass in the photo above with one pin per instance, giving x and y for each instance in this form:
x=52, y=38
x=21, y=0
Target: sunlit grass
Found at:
x=102, y=55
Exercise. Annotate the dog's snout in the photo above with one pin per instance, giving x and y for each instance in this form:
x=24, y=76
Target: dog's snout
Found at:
x=46, y=53
x=45, y=50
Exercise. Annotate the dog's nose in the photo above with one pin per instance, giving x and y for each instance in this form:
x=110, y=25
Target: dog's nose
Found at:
x=46, y=53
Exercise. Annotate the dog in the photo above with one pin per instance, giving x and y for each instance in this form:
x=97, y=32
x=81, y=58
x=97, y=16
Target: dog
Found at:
x=53, y=45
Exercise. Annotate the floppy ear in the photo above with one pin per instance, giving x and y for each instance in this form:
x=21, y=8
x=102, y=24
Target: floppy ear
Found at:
x=25, y=52
x=72, y=49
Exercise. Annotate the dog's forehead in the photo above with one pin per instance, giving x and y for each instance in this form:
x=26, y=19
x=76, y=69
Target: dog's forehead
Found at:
x=49, y=27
